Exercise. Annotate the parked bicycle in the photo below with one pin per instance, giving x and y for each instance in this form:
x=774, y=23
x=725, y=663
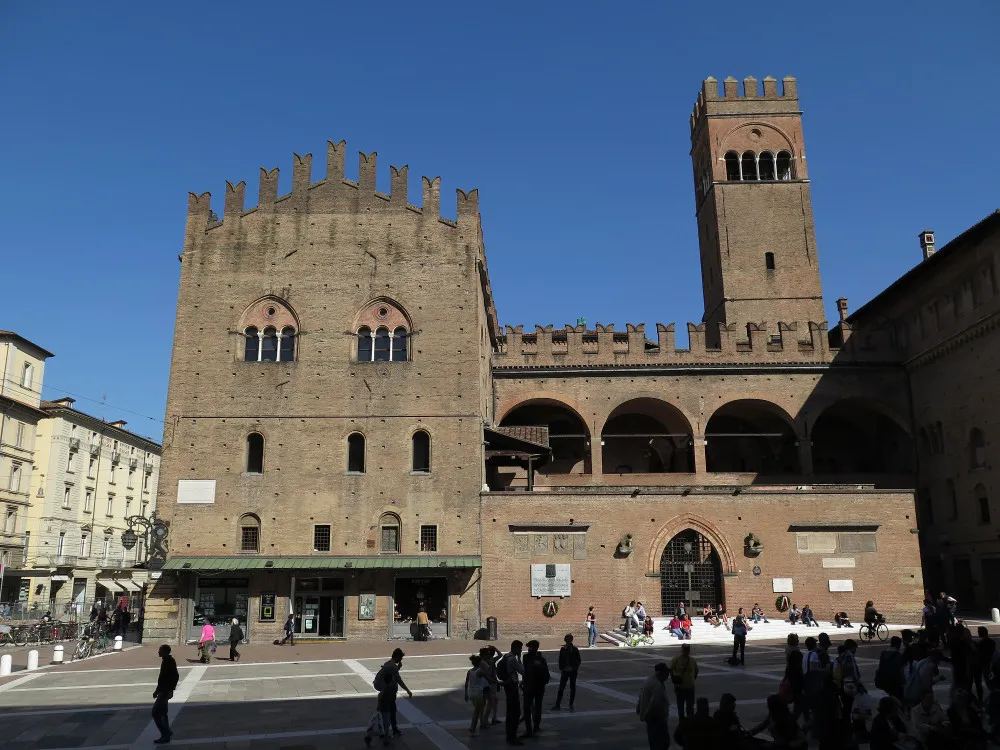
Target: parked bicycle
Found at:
x=638, y=639
x=93, y=641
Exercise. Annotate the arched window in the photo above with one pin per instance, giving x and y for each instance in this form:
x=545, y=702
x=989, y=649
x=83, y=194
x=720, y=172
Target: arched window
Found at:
x=952, y=499
x=399, y=344
x=769, y=261
x=356, y=453
x=286, y=345
x=365, y=344
x=977, y=449
x=26, y=375
x=765, y=163
x=732, y=166
x=269, y=345
x=255, y=453
x=389, y=532
x=784, y=165
x=249, y=533
x=748, y=166
x=983, y=503
x=383, y=350
x=421, y=452
x=252, y=351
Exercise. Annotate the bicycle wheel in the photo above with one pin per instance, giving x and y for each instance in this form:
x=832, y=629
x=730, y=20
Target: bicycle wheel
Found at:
x=648, y=640
x=81, y=650
x=865, y=634
x=20, y=636
x=882, y=631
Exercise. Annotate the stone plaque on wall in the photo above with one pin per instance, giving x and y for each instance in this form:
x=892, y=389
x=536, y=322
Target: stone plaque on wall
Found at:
x=541, y=545
x=560, y=544
x=550, y=580
x=521, y=548
x=782, y=585
x=841, y=585
x=579, y=546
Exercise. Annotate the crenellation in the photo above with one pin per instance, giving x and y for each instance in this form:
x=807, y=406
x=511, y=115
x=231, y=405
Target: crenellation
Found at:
x=301, y=174
x=431, y=197
x=335, y=159
x=267, y=194
x=770, y=87
x=398, y=187
x=789, y=88
x=750, y=89
x=367, y=170
x=468, y=207
x=234, y=202
x=731, y=88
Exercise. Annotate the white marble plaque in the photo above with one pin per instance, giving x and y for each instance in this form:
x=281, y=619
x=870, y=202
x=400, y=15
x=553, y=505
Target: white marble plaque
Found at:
x=838, y=562
x=550, y=580
x=781, y=585
x=196, y=491
x=841, y=585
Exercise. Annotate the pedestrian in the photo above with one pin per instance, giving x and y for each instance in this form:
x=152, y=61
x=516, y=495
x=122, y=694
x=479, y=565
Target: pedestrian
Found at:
x=206, y=642
x=476, y=687
x=102, y=619
x=794, y=614
x=591, y=628
x=757, y=614
x=139, y=623
x=569, y=667
x=653, y=708
x=488, y=665
x=423, y=625
x=740, y=630
x=681, y=612
x=126, y=620
x=289, y=630
x=887, y=726
x=683, y=673
x=889, y=673
x=985, y=648
x=93, y=612
x=235, y=636
x=791, y=683
x=387, y=682
x=781, y=725
x=698, y=731
x=508, y=669
x=166, y=683
x=849, y=681
x=536, y=677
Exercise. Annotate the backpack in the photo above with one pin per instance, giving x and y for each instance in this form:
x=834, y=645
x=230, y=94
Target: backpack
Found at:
x=379, y=682
x=503, y=670
x=739, y=627
x=624, y=611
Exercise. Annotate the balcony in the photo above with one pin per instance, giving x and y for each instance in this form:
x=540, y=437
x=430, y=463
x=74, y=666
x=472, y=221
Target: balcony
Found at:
x=95, y=449
x=116, y=457
x=147, y=464
x=113, y=563
x=74, y=444
x=133, y=462
x=58, y=561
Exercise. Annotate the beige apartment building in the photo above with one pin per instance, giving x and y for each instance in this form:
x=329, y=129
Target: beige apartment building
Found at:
x=23, y=367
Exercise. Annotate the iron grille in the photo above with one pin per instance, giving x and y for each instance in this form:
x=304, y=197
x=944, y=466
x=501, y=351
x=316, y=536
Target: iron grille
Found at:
x=690, y=572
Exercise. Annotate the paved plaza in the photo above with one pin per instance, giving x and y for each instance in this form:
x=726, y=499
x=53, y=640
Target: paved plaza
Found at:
x=299, y=698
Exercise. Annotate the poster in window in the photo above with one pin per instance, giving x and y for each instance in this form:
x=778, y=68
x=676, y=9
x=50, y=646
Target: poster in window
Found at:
x=366, y=606
x=267, y=607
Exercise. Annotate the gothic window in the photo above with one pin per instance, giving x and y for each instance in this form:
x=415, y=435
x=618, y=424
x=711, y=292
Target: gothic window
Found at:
x=421, y=452
x=748, y=166
x=389, y=532
x=765, y=163
x=249, y=533
x=356, y=453
x=399, y=344
x=769, y=261
x=269, y=329
x=383, y=331
x=255, y=453
x=784, y=165
x=732, y=166
x=383, y=349
x=977, y=449
x=365, y=344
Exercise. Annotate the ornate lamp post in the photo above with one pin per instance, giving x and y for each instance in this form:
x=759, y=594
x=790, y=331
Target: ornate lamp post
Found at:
x=153, y=532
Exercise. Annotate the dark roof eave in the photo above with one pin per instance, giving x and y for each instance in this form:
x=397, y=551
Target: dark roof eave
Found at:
x=14, y=402
x=14, y=335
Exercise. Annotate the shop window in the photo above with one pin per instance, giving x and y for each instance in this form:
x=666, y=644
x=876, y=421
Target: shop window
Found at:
x=421, y=452
x=389, y=528
x=356, y=453
x=428, y=538
x=255, y=453
x=321, y=538
x=249, y=533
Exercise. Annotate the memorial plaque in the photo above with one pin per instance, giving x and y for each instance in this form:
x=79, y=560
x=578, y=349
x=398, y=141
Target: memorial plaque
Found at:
x=267, y=607
x=550, y=580
x=560, y=544
x=842, y=585
x=782, y=585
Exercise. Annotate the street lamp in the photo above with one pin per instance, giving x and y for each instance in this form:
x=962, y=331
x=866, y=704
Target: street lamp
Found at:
x=153, y=532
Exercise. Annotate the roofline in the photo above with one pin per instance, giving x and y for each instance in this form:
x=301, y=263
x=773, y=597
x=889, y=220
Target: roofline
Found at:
x=59, y=409
x=969, y=235
x=14, y=335
x=29, y=407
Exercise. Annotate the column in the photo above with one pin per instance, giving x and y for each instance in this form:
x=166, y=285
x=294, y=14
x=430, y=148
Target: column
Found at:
x=699, y=454
x=805, y=456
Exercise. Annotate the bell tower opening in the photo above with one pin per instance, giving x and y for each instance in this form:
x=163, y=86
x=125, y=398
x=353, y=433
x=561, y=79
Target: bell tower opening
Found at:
x=752, y=198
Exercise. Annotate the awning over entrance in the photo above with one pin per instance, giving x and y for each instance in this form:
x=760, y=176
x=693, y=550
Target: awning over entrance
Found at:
x=129, y=585
x=394, y=562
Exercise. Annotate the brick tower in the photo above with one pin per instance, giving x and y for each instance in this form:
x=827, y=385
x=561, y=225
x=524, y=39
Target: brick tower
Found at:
x=755, y=221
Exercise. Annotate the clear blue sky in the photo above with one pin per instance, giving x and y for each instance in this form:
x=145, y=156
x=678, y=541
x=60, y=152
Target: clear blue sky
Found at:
x=570, y=118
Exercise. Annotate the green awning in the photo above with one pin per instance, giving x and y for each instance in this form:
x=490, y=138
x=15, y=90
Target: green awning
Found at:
x=259, y=562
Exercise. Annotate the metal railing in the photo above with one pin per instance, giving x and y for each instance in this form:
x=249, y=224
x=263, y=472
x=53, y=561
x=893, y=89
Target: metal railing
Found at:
x=58, y=561
x=74, y=444
x=95, y=448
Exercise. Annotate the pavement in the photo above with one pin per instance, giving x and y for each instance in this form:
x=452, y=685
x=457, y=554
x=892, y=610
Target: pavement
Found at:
x=312, y=696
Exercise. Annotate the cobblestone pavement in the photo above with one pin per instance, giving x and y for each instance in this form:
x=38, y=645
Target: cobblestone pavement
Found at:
x=305, y=703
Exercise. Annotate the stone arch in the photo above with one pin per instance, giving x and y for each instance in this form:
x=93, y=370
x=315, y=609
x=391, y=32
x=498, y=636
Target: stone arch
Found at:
x=524, y=399
x=703, y=526
x=569, y=433
x=751, y=435
x=860, y=436
x=371, y=314
x=772, y=139
x=646, y=434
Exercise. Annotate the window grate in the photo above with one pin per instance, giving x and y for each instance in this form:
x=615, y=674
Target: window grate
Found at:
x=390, y=539
x=428, y=538
x=321, y=539
x=250, y=539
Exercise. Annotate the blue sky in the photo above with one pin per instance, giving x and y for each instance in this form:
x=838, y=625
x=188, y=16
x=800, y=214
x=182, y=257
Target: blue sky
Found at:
x=570, y=118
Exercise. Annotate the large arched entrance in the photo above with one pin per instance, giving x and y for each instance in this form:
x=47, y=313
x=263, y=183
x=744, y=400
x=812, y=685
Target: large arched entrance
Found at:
x=690, y=572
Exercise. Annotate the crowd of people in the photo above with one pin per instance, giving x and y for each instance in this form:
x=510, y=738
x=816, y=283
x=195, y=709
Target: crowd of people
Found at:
x=118, y=620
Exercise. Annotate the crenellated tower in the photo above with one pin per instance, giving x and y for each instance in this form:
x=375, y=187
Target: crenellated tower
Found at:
x=755, y=222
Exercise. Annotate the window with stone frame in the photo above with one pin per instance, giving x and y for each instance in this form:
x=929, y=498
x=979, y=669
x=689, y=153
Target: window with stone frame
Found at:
x=321, y=538
x=389, y=532
x=421, y=452
x=383, y=333
x=356, y=453
x=428, y=538
x=249, y=533
x=269, y=329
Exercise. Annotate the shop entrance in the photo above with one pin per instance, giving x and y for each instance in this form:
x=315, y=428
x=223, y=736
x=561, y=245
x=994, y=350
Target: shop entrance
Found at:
x=412, y=594
x=319, y=606
x=220, y=600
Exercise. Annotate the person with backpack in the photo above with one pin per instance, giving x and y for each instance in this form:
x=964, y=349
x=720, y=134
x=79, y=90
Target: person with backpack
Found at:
x=508, y=669
x=740, y=630
x=289, y=630
x=683, y=673
x=536, y=677
x=569, y=667
x=923, y=677
x=387, y=682
x=889, y=674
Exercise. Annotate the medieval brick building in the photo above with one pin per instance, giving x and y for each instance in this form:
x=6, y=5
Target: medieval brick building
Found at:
x=351, y=436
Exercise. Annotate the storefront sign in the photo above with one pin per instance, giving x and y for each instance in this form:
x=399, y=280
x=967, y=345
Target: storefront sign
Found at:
x=366, y=606
x=550, y=580
x=267, y=607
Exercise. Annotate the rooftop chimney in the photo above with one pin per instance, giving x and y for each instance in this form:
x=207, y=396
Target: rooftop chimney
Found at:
x=842, y=308
x=120, y=424
x=927, y=243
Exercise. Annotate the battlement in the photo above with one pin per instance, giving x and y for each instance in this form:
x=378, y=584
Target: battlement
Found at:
x=753, y=100
x=335, y=193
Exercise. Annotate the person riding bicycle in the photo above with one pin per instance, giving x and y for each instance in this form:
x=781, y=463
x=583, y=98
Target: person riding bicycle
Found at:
x=46, y=618
x=872, y=616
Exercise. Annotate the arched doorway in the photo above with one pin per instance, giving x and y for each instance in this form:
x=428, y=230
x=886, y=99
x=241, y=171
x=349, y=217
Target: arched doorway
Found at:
x=690, y=572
